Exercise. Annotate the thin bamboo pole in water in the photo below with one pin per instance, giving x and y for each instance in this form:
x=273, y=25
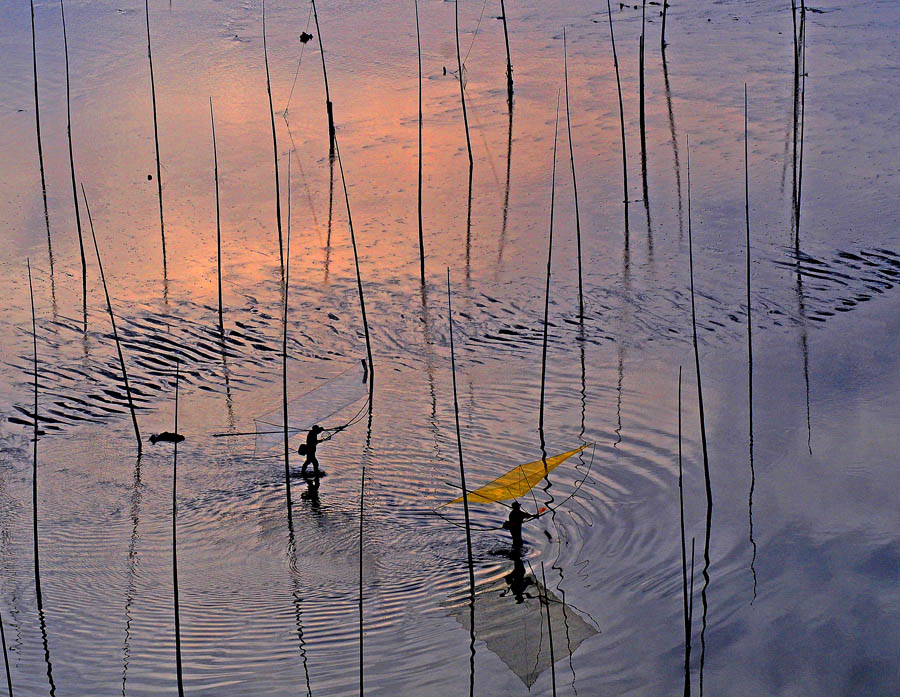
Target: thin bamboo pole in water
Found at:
x=274, y=145
x=547, y=288
x=212, y=121
x=40, y=147
x=574, y=179
x=612, y=39
x=162, y=225
x=112, y=320
x=359, y=286
x=662, y=34
x=72, y=170
x=462, y=92
x=465, y=495
x=641, y=102
x=284, y=354
x=419, y=199
x=329, y=108
x=509, y=68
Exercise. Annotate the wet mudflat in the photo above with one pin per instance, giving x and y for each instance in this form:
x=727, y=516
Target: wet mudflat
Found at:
x=804, y=602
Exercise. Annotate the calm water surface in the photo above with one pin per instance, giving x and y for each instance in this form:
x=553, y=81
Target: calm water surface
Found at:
x=804, y=603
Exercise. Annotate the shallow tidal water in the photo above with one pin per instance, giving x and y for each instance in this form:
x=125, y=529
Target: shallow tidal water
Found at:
x=804, y=549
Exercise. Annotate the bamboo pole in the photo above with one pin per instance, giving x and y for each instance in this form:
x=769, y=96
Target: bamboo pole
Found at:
x=509, y=68
x=212, y=121
x=641, y=104
x=329, y=108
x=419, y=200
x=162, y=225
x=462, y=92
x=40, y=147
x=274, y=145
x=574, y=180
x=284, y=355
x=362, y=299
x=662, y=35
x=547, y=288
x=612, y=39
x=72, y=170
x=112, y=320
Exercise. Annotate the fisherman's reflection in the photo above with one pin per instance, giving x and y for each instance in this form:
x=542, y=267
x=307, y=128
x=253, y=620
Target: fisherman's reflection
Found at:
x=517, y=581
x=312, y=492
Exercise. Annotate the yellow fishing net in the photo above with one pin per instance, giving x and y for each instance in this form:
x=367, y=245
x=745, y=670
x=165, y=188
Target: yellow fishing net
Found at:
x=519, y=480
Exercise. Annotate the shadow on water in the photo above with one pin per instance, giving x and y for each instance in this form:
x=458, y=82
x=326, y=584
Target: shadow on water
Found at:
x=6, y=658
x=684, y=583
x=709, y=498
x=557, y=566
x=367, y=453
x=465, y=495
x=469, y=230
x=39, y=596
x=804, y=348
x=136, y=495
x=509, y=141
x=675, y=154
x=612, y=40
x=330, y=216
x=226, y=377
x=297, y=599
x=749, y=342
x=429, y=367
x=178, y=661
x=800, y=113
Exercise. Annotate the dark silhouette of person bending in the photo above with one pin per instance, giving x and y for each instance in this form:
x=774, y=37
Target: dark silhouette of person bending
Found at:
x=514, y=524
x=309, y=450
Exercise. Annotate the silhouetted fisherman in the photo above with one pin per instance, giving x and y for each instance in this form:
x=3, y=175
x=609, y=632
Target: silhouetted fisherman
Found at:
x=514, y=524
x=309, y=450
x=166, y=437
x=517, y=581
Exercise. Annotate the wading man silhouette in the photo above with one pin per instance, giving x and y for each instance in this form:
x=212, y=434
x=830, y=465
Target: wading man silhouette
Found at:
x=514, y=524
x=309, y=450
